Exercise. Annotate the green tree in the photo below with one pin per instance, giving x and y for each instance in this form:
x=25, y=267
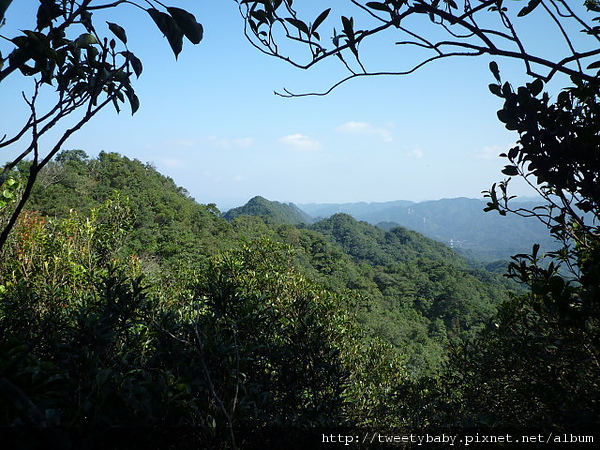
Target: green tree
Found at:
x=557, y=153
x=76, y=69
x=294, y=353
x=539, y=361
x=245, y=342
x=168, y=225
x=555, y=327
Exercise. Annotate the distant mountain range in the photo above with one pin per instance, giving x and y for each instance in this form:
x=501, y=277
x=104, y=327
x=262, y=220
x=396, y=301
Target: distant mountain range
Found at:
x=460, y=223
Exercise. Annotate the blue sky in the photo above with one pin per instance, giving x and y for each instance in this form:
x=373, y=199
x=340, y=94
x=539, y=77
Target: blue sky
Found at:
x=212, y=122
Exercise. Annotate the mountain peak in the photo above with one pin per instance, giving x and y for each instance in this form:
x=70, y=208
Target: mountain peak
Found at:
x=284, y=213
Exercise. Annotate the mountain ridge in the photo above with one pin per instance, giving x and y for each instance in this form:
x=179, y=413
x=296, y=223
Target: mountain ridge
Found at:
x=460, y=223
x=284, y=213
x=410, y=291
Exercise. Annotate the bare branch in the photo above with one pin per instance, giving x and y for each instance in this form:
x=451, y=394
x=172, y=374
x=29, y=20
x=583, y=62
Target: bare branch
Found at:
x=564, y=34
x=37, y=165
x=461, y=26
x=289, y=94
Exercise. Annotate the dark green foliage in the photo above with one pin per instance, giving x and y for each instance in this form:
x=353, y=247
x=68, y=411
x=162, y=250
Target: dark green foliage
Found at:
x=458, y=222
x=368, y=243
x=417, y=293
x=538, y=363
x=75, y=71
x=272, y=212
x=248, y=323
x=252, y=344
x=168, y=223
x=540, y=359
x=75, y=327
x=277, y=332
x=230, y=328
x=421, y=271
x=412, y=292
x=540, y=368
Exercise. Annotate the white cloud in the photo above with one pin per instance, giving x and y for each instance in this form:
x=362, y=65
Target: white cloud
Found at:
x=366, y=129
x=243, y=142
x=416, y=153
x=171, y=162
x=300, y=142
x=224, y=143
x=492, y=151
x=489, y=152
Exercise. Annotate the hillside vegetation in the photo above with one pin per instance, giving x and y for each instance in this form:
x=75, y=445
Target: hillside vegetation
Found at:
x=118, y=290
x=459, y=222
x=274, y=212
x=412, y=292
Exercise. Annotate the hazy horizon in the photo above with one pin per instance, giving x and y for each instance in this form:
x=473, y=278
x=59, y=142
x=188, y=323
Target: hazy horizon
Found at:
x=228, y=204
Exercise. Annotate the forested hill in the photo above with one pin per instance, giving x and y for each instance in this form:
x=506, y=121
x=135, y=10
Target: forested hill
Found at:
x=163, y=313
x=368, y=243
x=270, y=211
x=458, y=222
x=167, y=223
x=424, y=288
x=414, y=292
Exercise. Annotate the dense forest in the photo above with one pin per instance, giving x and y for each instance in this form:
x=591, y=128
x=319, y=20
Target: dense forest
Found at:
x=124, y=303
x=131, y=316
x=412, y=292
x=459, y=222
x=270, y=211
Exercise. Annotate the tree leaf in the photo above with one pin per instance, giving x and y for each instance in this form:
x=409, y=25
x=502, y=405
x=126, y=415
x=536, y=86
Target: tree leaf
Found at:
x=510, y=170
x=495, y=89
x=116, y=105
x=301, y=26
x=535, y=87
x=594, y=65
x=169, y=28
x=592, y=5
x=188, y=24
x=118, y=31
x=530, y=7
x=47, y=12
x=378, y=6
x=134, y=101
x=135, y=62
x=495, y=71
x=348, y=24
x=319, y=20
x=85, y=40
x=4, y=4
